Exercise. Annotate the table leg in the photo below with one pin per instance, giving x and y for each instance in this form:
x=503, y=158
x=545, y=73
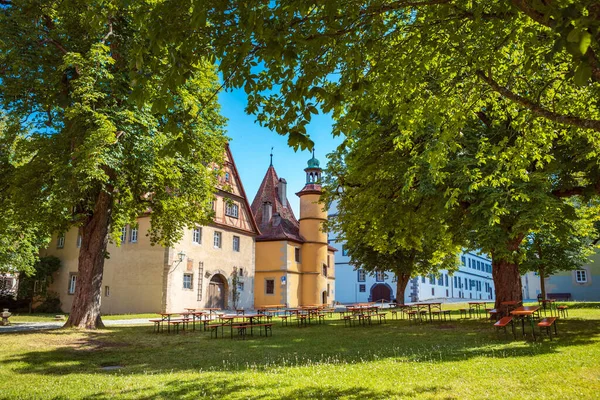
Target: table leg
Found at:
x=523, y=325
x=532, y=327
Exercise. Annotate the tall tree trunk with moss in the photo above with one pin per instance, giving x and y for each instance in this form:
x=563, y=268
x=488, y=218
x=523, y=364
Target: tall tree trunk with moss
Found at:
x=85, y=312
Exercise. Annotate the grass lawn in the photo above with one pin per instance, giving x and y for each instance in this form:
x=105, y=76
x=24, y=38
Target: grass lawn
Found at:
x=461, y=359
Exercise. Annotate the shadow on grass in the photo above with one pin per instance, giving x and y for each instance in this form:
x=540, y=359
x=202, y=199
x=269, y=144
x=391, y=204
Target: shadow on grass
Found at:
x=224, y=388
x=139, y=351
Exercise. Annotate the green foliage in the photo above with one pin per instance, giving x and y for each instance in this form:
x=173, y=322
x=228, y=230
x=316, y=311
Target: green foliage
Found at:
x=235, y=293
x=95, y=102
x=36, y=285
x=563, y=246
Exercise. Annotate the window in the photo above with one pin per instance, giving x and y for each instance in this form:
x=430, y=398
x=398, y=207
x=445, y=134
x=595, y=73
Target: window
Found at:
x=78, y=240
x=462, y=260
x=236, y=243
x=362, y=288
x=433, y=291
x=187, y=281
x=297, y=254
x=455, y=282
x=226, y=176
x=217, y=240
x=478, y=266
x=106, y=291
x=362, y=276
x=197, y=235
x=72, y=283
x=231, y=209
x=324, y=269
x=466, y=283
x=133, y=234
x=241, y=273
x=446, y=280
x=269, y=286
x=60, y=242
x=240, y=286
x=344, y=251
x=123, y=234
x=422, y=279
x=379, y=276
x=431, y=279
x=441, y=280
x=581, y=276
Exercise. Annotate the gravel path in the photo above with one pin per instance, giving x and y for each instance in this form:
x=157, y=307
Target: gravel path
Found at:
x=39, y=326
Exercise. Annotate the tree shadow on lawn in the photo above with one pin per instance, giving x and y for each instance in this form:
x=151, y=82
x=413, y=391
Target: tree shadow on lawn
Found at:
x=232, y=388
x=139, y=351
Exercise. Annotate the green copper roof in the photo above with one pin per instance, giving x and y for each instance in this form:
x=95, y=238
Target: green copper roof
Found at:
x=313, y=162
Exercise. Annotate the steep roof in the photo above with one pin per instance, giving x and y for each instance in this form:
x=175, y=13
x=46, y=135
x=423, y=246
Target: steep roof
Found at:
x=286, y=227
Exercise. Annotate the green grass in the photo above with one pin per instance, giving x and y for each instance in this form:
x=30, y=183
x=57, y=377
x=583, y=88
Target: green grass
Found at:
x=461, y=359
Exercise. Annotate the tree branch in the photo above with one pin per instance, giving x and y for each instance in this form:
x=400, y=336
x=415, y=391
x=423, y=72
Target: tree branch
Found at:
x=538, y=109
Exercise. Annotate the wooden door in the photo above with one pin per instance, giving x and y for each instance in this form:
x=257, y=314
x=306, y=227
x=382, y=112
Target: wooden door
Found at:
x=381, y=292
x=216, y=293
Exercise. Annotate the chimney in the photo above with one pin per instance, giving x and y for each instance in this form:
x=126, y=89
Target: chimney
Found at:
x=276, y=219
x=282, y=189
x=267, y=212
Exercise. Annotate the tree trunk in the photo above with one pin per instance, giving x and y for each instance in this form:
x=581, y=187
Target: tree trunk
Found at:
x=543, y=283
x=507, y=282
x=401, y=283
x=85, y=312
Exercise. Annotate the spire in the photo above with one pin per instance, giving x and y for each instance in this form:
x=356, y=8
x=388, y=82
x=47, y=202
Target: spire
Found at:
x=270, y=165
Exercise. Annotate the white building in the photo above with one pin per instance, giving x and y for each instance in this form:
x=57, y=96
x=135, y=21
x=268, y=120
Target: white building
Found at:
x=473, y=280
x=8, y=283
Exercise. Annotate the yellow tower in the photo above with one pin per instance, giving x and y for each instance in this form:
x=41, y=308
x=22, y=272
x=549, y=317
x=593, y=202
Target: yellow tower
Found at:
x=317, y=271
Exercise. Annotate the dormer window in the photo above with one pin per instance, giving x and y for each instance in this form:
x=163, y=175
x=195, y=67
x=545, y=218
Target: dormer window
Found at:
x=232, y=210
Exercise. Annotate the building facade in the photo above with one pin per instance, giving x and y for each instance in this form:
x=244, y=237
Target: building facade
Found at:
x=197, y=272
x=472, y=280
x=294, y=263
x=582, y=284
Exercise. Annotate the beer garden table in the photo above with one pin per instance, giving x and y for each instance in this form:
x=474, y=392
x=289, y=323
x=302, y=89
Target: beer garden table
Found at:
x=526, y=312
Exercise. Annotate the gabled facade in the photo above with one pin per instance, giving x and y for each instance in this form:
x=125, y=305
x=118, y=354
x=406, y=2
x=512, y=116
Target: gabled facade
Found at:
x=294, y=264
x=194, y=273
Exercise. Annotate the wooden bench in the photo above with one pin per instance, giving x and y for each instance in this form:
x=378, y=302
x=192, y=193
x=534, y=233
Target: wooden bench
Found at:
x=562, y=310
x=381, y=317
x=503, y=322
x=241, y=330
x=348, y=320
x=157, y=324
x=268, y=328
x=284, y=319
x=559, y=296
x=493, y=313
x=177, y=322
x=215, y=328
x=447, y=313
x=548, y=323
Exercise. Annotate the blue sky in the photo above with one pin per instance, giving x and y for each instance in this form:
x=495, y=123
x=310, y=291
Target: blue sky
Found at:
x=251, y=145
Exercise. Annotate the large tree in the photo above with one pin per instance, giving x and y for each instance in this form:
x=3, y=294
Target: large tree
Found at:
x=104, y=126
x=403, y=187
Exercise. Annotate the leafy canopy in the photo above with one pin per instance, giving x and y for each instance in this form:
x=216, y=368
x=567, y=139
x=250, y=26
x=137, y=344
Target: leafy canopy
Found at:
x=95, y=102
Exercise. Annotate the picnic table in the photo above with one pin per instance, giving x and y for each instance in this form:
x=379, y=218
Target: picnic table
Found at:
x=526, y=312
x=477, y=306
x=550, y=304
x=510, y=305
x=428, y=305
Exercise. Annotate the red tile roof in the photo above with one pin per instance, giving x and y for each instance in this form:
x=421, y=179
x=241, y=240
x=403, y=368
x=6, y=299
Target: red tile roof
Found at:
x=286, y=227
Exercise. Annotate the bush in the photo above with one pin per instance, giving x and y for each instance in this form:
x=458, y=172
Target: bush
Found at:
x=51, y=304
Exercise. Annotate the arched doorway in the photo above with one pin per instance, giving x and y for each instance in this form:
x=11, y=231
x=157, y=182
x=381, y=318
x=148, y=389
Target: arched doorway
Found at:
x=381, y=291
x=324, y=297
x=217, y=292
